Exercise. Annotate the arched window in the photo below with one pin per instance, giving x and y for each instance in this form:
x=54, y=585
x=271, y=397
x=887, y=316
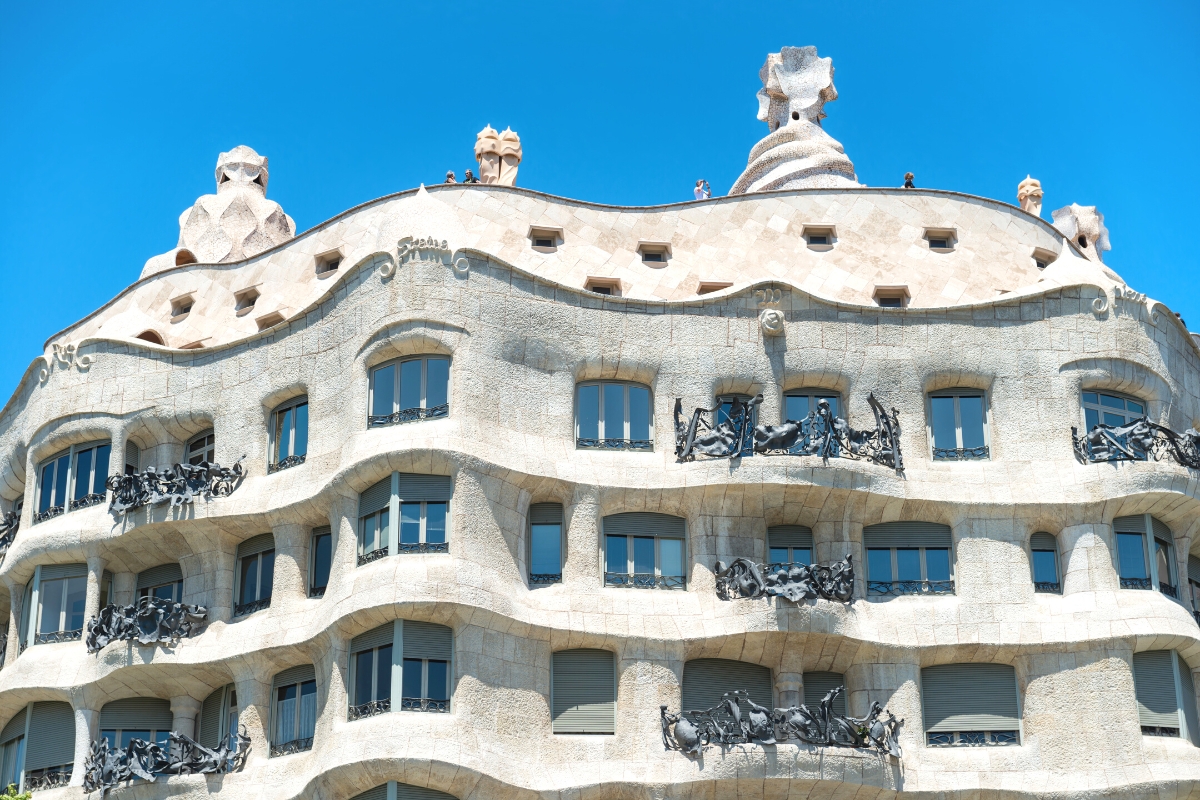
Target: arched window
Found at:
x=789, y=544
x=799, y=403
x=409, y=389
x=145, y=718
x=55, y=600
x=38, y=743
x=1043, y=561
x=255, y=574
x=545, y=543
x=393, y=790
x=706, y=680
x=613, y=415
x=419, y=655
x=1106, y=418
x=202, y=448
x=289, y=434
x=320, y=561
x=74, y=478
x=1166, y=695
x=819, y=684
x=422, y=504
x=218, y=720
x=1138, y=536
x=184, y=256
x=958, y=425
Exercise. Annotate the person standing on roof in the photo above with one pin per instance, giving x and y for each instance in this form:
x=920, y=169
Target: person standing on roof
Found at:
x=702, y=191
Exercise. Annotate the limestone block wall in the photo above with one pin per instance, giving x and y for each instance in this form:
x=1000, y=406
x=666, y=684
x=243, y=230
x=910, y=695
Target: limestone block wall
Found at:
x=519, y=343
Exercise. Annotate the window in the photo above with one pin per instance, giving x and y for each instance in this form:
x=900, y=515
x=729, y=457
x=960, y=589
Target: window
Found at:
x=12, y=749
x=1166, y=696
x=891, y=296
x=970, y=704
x=613, y=416
x=145, y=718
x=706, y=680
x=725, y=411
x=256, y=573
x=545, y=543
x=322, y=558
x=958, y=425
x=269, y=320
x=789, y=544
x=583, y=692
x=328, y=263
x=371, y=673
x=1043, y=258
x=133, y=457
x=644, y=550
x=402, y=791
x=1113, y=411
x=180, y=307
x=294, y=694
x=606, y=286
x=202, y=449
x=819, y=237
x=1136, y=536
x=799, y=403
x=243, y=301
x=819, y=684
x=1193, y=569
x=72, y=479
x=654, y=252
x=908, y=558
x=164, y=581
x=425, y=668
x=1043, y=550
x=422, y=503
x=409, y=389
x=59, y=593
x=289, y=434
x=48, y=751
x=708, y=287
x=545, y=240
x=941, y=239
x=218, y=720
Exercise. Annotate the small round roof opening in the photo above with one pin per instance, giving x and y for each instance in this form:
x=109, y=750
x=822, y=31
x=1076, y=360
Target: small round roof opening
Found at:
x=150, y=336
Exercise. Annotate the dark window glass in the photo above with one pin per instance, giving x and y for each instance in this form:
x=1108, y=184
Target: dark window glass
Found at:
x=383, y=398
x=670, y=557
x=970, y=411
x=639, y=413
x=322, y=556
x=1131, y=555
x=437, y=382
x=614, y=411
x=410, y=384
x=83, y=473
x=545, y=549
x=1045, y=566
x=438, y=682
x=643, y=554
x=410, y=523
x=617, y=554
x=266, y=579
x=879, y=564
x=944, y=433
x=383, y=673
x=589, y=412
x=300, y=442
x=435, y=522
x=413, y=677
x=249, y=579
x=363, y=672
x=937, y=564
x=908, y=564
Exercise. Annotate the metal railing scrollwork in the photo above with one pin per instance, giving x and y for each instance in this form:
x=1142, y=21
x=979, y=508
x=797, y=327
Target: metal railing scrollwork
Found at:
x=643, y=580
x=49, y=778
x=151, y=620
x=371, y=709
x=738, y=720
x=287, y=463
x=423, y=547
x=820, y=433
x=408, y=415
x=960, y=453
x=1135, y=583
x=543, y=579
x=898, y=588
x=242, y=609
x=970, y=738
x=614, y=444
x=796, y=582
x=10, y=522
x=93, y=499
x=1138, y=440
x=49, y=513
x=423, y=704
x=107, y=767
x=1050, y=587
x=56, y=637
x=292, y=747
x=374, y=555
x=177, y=485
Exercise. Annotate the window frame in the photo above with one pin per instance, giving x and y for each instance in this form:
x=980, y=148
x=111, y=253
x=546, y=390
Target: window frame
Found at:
x=68, y=502
x=1149, y=557
x=274, y=462
x=208, y=447
x=791, y=552
x=660, y=581
x=246, y=608
x=1100, y=409
x=401, y=415
x=60, y=633
x=372, y=706
x=313, y=589
x=1046, y=587
x=176, y=594
x=425, y=702
x=960, y=453
x=727, y=399
x=602, y=440
x=305, y=742
x=422, y=545
x=926, y=587
x=562, y=549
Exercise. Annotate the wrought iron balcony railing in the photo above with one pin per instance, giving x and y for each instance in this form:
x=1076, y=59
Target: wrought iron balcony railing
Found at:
x=643, y=580
x=897, y=588
x=614, y=444
x=151, y=620
x=408, y=415
x=818, y=434
x=316, y=592
x=970, y=738
x=49, y=778
x=961, y=453
x=422, y=547
x=287, y=463
x=371, y=709
x=178, y=485
x=10, y=522
x=292, y=747
x=1168, y=590
x=87, y=500
x=107, y=767
x=738, y=720
x=242, y=609
x=745, y=579
x=1136, y=583
x=56, y=637
x=1050, y=587
x=49, y=513
x=423, y=704
x=374, y=555
x=1138, y=440
x=545, y=578
x=1159, y=730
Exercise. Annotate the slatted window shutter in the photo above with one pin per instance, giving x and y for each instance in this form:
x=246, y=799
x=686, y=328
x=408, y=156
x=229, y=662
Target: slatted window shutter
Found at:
x=706, y=680
x=1134, y=524
x=406, y=791
x=298, y=674
x=790, y=536
x=1154, y=685
x=545, y=514
x=15, y=727
x=211, y=715
x=1187, y=691
x=432, y=488
x=52, y=572
x=583, y=691
x=157, y=576
x=1162, y=531
x=907, y=534
x=375, y=498
x=137, y=713
x=132, y=456
x=255, y=545
x=376, y=637
x=644, y=523
x=1194, y=569
x=969, y=697
x=819, y=684
x=1043, y=541
x=378, y=793
x=428, y=640
x=51, y=741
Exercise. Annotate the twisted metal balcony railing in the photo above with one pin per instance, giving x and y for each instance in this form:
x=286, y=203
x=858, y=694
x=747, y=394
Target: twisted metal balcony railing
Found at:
x=1138, y=440
x=178, y=485
x=1050, y=587
x=423, y=547
x=818, y=434
x=745, y=579
x=374, y=555
x=545, y=578
x=424, y=704
x=292, y=747
x=1159, y=730
x=287, y=463
x=49, y=513
x=57, y=637
x=151, y=620
x=898, y=588
x=1168, y=590
x=408, y=415
x=961, y=453
x=93, y=499
x=10, y=523
x=1136, y=583
x=242, y=609
x=371, y=709
x=107, y=767
x=614, y=444
x=49, y=778
x=970, y=738
x=643, y=580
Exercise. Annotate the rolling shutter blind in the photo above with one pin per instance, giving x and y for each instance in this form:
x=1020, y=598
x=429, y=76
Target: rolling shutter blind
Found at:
x=425, y=487
x=907, y=534
x=1154, y=684
x=546, y=514
x=643, y=523
x=137, y=712
x=706, y=680
x=298, y=674
x=969, y=697
x=51, y=740
x=157, y=576
x=375, y=498
x=584, y=692
x=54, y=571
x=1134, y=524
x=372, y=639
x=1043, y=541
x=1161, y=530
x=131, y=455
x=427, y=640
x=818, y=684
x=14, y=728
x=378, y=793
x=211, y=714
x=257, y=544
x=1194, y=568
x=789, y=536
x=405, y=791
x=1188, y=690
x=322, y=531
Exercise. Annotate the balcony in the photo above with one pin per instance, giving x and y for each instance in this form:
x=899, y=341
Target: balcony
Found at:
x=244, y=609
x=961, y=453
x=1136, y=583
x=897, y=588
x=1048, y=587
x=643, y=580
x=371, y=709
x=545, y=579
x=292, y=747
x=1140, y=440
x=48, y=778
x=408, y=415
x=287, y=463
x=643, y=445
x=971, y=738
x=424, y=704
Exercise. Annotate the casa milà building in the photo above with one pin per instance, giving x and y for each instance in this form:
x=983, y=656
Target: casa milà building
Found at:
x=811, y=490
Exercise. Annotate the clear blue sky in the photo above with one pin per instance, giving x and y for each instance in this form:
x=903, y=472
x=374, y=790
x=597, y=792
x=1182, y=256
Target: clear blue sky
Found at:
x=113, y=115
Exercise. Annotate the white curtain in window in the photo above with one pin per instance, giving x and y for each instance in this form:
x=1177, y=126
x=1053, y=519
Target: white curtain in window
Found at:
x=308, y=715
x=287, y=720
